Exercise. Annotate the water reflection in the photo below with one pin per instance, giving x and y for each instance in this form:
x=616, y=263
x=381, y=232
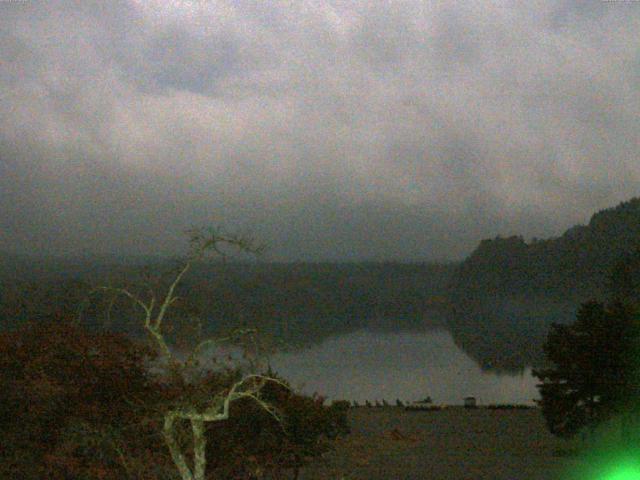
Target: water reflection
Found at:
x=374, y=366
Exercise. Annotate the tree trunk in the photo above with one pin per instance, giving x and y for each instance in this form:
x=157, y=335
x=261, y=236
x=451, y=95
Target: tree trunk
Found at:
x=199, y=449
x=174, y=448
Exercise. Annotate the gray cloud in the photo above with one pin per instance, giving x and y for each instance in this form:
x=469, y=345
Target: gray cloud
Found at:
x=333, y=129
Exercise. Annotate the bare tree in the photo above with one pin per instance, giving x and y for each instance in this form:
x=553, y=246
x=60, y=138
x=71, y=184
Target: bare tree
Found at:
x=216, y=407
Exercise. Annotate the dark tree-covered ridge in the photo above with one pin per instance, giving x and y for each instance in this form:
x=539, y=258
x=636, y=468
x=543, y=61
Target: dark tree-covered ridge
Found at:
x=511, y=291
x=299, y=302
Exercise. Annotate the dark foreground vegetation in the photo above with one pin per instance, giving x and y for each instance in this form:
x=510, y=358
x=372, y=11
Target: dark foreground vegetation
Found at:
x=592, y=369
x=80, y=405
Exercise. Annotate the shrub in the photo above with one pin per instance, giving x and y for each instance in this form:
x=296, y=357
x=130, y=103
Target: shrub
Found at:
x=255, y=443
x=67, y=408
x=75, y=405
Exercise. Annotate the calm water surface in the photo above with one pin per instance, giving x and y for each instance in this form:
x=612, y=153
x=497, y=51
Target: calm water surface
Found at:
x=410, y=366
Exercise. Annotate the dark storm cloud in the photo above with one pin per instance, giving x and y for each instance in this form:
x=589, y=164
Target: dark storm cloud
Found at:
x=333, y=129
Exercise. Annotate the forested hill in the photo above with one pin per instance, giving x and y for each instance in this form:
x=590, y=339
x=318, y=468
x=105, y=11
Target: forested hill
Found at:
x=511, y=291
x=303, y=302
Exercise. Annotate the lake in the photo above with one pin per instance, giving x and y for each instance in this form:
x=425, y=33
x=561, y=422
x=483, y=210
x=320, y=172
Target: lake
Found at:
x=372, y=366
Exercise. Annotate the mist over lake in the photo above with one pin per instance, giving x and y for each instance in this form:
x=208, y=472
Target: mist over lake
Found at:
x=370, y=365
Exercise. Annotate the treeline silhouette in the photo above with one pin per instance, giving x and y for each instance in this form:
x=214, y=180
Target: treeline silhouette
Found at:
x=508, y=292
x=299, y=303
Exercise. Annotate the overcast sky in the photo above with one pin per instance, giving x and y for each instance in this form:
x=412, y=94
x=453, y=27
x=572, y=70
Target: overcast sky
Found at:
x=333, y=129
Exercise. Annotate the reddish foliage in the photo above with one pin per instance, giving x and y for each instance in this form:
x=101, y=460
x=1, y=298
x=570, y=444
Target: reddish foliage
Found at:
x=79, y=405
x=257, y=446
x=68, y=400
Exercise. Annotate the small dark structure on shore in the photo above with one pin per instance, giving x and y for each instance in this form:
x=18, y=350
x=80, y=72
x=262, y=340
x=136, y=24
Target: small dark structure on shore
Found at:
x=470, y=402
x=426, y=404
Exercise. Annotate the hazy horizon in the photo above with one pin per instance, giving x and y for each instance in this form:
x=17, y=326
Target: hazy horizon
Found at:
x=266, y=257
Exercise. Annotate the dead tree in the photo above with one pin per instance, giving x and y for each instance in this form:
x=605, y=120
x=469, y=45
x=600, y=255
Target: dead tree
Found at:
x=216, y=409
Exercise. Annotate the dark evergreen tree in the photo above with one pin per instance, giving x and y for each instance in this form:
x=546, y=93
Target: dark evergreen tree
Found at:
x=595, y=372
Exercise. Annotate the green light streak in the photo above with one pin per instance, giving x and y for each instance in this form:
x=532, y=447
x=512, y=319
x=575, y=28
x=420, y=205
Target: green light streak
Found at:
x=626, y=471
x=611, y=465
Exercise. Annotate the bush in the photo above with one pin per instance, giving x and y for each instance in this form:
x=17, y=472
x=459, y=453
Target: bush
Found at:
x=255, y=443
x=67, y=408
x=75, y=405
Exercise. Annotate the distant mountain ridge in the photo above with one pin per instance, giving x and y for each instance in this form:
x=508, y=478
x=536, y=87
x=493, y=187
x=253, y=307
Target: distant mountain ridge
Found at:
x=301, y=302
x=509, y=291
